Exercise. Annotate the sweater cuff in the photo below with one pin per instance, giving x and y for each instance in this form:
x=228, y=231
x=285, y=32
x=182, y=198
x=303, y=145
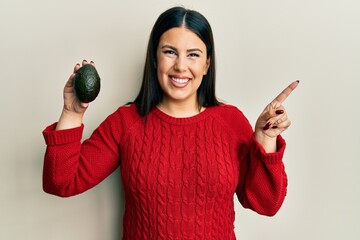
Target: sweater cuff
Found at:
x=275, y=157
x=59, y=137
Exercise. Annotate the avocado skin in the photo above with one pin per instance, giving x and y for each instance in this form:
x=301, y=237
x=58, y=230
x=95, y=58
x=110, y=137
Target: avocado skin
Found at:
x=87, y=83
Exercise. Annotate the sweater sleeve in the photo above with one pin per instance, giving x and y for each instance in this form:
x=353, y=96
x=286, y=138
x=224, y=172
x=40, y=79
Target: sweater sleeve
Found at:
x=71, y=167
x=262, y=182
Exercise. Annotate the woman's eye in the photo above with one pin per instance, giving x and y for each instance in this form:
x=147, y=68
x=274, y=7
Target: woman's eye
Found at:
x=194, y=55
x=169, y=52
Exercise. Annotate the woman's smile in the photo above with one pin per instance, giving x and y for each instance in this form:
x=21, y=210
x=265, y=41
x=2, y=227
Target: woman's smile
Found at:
x=179, y=82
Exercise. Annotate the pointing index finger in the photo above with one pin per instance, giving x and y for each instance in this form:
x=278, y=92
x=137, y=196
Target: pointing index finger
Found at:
x=286, y=92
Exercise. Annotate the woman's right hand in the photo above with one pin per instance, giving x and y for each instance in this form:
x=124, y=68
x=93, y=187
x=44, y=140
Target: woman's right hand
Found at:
x=73, y=109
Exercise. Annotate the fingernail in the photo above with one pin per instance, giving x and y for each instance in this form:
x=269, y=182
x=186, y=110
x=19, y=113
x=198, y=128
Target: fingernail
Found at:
x=298, y=81
x=91, y=62
x=84, y=60
x=78, y=64
x=279, y=111
x=267, y=126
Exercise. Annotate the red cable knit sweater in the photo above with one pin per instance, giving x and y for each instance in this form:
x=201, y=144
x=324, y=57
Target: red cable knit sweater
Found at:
x=179, y=174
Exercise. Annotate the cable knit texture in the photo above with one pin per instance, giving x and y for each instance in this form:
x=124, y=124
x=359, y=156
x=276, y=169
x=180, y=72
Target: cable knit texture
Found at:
x=179, y=174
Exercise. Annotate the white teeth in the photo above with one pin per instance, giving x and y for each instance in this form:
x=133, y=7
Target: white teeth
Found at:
x=180, y=80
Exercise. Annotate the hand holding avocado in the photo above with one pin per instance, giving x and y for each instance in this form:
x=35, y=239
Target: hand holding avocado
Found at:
x=82, y=87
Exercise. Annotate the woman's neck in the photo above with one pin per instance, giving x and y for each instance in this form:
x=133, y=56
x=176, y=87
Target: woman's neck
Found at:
x=180, y=109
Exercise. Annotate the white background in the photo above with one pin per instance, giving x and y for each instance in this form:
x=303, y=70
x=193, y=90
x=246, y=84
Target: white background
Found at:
x=261, y=47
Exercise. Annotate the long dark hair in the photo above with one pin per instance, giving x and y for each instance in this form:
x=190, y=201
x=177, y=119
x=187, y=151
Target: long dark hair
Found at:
x=150, y=93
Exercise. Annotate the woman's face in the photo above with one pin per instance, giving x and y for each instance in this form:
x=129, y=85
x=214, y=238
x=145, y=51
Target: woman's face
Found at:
x=181, y=64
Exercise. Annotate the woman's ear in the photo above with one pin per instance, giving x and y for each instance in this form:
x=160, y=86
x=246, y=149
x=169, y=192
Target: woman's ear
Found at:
x=207, y=65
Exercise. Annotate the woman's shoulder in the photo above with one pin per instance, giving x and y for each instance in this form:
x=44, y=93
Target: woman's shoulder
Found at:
x=128, y=108
x=123, y=120
x=128, y=112
x=226, y=110
x=125, y=115
x=231, y=116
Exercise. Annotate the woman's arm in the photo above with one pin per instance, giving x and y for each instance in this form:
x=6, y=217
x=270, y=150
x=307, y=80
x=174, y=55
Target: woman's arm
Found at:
x=263, y=180
x=72, y=167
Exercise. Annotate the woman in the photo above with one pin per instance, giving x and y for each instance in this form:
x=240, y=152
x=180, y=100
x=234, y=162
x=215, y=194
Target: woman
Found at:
x=182, y=154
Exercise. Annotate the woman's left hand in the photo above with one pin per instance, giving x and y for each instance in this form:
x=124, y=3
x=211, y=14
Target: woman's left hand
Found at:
x=273, y=120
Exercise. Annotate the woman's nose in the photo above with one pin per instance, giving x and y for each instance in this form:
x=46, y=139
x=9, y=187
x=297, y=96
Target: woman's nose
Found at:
x=180, y=64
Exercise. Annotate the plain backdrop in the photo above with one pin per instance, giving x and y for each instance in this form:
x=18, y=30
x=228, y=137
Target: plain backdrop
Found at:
x=261, y=47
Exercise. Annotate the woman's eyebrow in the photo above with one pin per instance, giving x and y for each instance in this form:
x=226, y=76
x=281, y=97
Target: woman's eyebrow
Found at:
x=175, y=49
x=169, y=46
x=194, y=50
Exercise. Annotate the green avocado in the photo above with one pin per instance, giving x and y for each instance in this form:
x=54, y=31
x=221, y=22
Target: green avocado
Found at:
x=87, y=83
